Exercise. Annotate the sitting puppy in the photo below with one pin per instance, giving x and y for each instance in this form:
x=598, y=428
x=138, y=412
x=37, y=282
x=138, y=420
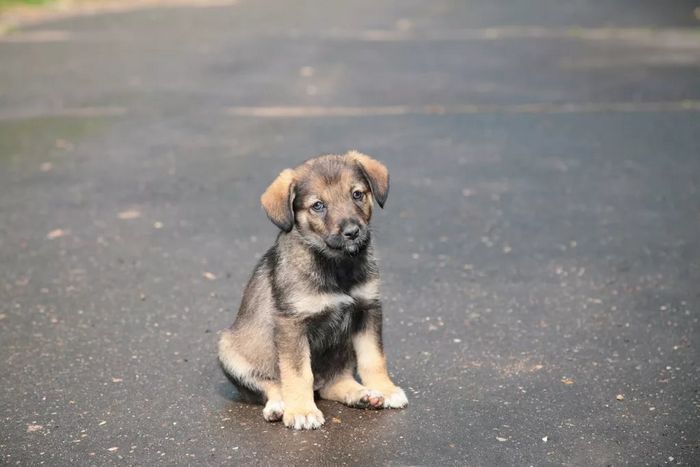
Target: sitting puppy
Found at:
x=310, y=316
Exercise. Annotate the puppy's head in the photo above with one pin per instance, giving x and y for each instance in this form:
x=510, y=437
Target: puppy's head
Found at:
x=329, y=201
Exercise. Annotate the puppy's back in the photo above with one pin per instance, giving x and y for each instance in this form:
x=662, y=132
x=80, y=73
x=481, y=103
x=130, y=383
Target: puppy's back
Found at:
x=257, y=302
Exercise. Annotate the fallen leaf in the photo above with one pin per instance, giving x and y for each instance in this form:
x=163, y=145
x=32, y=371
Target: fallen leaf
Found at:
x=22, y=281
x=57, y=233
x=403, y=24
x=209, y=276
x=129, y=214
x=568, y=381
x=63, y=144
x=336, y=420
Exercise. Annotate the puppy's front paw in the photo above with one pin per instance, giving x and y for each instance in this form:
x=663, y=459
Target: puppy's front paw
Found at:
x=303, y=418
x=395, y=399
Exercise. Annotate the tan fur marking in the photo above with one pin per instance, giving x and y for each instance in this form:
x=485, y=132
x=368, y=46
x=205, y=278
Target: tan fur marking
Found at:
x=367, y=291
x=341, y=389
x=276, y=199
x=297, y=386
x=371, y=364
x=273, y=390
x=346, y=390
x=300, y=410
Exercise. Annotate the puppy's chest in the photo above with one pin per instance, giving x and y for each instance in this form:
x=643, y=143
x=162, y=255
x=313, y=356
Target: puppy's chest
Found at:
x=331, y=317
x=327, y=305
x=331, y=327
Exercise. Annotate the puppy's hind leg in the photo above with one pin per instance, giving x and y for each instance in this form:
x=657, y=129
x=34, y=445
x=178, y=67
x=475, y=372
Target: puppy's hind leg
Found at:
x=344, y=389
x=274, y=407
x=249, y=381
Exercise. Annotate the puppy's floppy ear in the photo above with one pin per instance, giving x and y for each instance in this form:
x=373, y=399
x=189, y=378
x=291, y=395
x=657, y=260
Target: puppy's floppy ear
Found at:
x=376, y=173
x=277, y=200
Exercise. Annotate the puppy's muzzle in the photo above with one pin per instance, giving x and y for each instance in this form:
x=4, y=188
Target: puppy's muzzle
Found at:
x=351, y=231
x=351, y=238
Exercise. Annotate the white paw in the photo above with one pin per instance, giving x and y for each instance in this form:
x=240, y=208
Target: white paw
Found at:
x=273, y=411
x=396, y=399
x=304, y=421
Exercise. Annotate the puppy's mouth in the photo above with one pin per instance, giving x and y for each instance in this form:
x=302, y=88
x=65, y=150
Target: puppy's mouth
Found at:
x=338, y=244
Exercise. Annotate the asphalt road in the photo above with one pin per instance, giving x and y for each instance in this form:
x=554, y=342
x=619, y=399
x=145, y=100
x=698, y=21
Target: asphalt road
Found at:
x=540, y=246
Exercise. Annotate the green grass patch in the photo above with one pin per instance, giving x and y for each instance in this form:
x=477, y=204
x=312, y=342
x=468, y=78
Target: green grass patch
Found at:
x=9, y=3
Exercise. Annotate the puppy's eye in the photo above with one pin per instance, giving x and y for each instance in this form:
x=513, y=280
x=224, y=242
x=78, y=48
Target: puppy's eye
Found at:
x=318, y=206
x=358, y=195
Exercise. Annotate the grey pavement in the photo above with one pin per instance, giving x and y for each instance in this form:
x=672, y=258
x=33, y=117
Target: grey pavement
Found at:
x=540, y=247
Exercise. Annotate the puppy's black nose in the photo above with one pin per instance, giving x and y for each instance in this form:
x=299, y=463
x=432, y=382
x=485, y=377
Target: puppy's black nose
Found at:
x=351, y=231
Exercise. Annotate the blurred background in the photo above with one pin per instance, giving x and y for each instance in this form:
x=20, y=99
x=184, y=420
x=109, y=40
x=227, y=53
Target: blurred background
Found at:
x=540, y=247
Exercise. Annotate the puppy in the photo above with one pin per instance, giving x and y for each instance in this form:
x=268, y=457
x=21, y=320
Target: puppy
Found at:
x=310, y=317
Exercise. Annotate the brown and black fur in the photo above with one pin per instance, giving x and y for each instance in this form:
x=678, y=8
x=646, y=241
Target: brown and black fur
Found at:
x=311, y=317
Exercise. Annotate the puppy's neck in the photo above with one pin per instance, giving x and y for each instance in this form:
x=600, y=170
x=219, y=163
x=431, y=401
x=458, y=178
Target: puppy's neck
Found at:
x=339, y=273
